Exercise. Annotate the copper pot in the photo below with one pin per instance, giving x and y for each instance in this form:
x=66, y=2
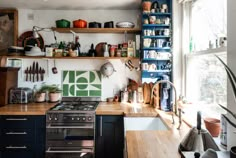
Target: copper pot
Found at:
x=80, y=23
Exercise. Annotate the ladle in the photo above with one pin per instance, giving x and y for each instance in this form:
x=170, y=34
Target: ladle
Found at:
x=54, y=69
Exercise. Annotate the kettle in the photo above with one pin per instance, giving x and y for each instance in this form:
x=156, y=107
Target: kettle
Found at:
x=198, y=139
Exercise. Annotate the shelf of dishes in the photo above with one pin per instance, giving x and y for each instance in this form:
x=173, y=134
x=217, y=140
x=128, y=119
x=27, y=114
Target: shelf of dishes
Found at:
x=97, y=30
x=156, y=14
x=158, y=36
x=155, y=25
x=154, y=74
x=157, y=48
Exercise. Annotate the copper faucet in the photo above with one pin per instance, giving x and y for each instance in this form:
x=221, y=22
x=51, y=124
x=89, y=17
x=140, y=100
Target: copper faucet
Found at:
x=174, y=106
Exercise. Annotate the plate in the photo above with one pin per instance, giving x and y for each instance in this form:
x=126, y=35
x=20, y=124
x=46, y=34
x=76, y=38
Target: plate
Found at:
x=125, y=25
x=29, y=53
x=27, y=39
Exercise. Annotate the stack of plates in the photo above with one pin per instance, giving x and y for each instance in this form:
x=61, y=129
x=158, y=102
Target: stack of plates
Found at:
x=30, y=53
x=125, y=25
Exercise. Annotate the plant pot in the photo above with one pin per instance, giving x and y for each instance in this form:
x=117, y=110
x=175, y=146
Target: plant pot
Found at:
x=213, y=126
x=146, y=6
x=40, y=97
x=233, y=152
x=54, y=97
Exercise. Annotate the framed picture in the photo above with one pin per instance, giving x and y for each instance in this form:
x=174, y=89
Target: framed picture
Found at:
x=8, y=29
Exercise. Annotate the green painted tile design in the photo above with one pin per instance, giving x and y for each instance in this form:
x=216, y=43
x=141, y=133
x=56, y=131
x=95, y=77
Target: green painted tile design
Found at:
x=82, y=83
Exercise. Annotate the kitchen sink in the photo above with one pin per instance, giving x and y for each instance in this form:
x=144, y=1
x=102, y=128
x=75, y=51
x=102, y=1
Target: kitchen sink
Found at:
x=143, y=123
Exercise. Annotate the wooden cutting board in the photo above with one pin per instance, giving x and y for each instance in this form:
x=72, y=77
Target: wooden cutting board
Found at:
x=146, y=93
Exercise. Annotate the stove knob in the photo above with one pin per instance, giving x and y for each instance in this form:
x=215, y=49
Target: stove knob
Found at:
x=78, y=118
x=72, y=118
x=55, y=119
x=83, y=118
x=89, y=118
x=49, y=118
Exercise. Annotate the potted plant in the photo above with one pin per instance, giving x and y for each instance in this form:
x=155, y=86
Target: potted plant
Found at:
x=54, y=93
x=232, y=79
x=40, y=94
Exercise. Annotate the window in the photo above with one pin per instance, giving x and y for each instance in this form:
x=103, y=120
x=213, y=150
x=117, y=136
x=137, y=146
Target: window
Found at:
x=206, y=79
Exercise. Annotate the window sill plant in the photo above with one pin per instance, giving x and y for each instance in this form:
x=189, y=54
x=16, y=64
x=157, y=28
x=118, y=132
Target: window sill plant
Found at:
x=232, y=79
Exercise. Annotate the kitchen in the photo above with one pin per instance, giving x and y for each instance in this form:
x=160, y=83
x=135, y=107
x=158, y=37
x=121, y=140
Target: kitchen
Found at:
x=33, y=17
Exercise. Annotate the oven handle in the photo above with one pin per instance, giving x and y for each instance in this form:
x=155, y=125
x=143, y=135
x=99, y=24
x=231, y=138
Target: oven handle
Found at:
x=65, y=151
x=101, y=127
x=53, y=126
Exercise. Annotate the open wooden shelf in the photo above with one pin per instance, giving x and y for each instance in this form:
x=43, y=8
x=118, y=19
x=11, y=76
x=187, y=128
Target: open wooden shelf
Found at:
x=97, y=30
x=92, y=58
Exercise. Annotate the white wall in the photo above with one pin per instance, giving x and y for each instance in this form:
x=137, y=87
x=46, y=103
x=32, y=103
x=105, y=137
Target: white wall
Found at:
x=46, y=18
x=231, y=58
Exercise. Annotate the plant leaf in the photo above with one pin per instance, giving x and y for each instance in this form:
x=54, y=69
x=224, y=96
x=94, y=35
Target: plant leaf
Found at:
x=230, y=122
x=231, y=76
x=229, y=111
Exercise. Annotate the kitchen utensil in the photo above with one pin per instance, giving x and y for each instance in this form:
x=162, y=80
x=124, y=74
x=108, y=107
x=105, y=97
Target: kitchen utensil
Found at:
x=125, y=25
x=27, y=39
x=30, y=72
x=80, y=23
x=33, y=70
x=198, y=139
x=63, y=23
x=108, y=24
x=54, y=69
x=42, y=75
x=95, y=25
x=26, y=73
x=107, y=69
x=105, y=49
x=37, y=71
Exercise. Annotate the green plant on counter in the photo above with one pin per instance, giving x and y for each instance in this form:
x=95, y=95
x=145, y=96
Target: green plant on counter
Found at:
x=232, y=79
x=49, y=88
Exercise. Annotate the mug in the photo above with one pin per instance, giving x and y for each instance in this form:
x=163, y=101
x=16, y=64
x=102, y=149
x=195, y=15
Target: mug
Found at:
x=160, y=42
x=152, y=54
x=145, y=66
x=145, y=21
x=164, y=55
x=147, y=32
x=164, y=6
x=166, y=32
x=152, y=67
x=167, y=21
x=152, y=19
x=147, y=42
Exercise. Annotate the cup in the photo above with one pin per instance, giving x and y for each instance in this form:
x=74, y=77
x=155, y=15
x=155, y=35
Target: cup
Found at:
x=152, y=19
x=152, y=54
x=152, y=67
x=145, y=21
x=167, y=21
x=164, y=6
x=158, y=21
x=159, y=43
x=145, y=66
x=147, y=42
x=166, y=32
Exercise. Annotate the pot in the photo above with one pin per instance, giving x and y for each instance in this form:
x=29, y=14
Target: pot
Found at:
x=213, y=126
x=80, y=23
x=95, y=25
x=63, y=23
x=108, y=24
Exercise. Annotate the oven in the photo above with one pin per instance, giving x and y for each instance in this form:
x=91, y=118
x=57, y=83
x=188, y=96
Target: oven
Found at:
x=70, y=133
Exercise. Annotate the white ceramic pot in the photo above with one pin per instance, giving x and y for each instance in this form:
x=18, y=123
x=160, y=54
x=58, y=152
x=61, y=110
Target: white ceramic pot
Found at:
x=40, y=97
x=54, y=97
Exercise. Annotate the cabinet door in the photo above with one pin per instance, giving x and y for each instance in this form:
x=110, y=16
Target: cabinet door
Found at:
x=109, y=137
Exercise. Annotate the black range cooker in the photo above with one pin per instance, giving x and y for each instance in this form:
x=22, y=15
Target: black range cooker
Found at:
x=70, y=128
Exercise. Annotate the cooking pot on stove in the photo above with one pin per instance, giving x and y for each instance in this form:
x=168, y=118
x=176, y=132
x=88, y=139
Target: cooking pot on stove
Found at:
x=80, y=23
x=108, y=24
x=95, y=25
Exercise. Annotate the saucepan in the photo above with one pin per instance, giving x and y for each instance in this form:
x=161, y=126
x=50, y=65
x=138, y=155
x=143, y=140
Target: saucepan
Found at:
x=80, y=23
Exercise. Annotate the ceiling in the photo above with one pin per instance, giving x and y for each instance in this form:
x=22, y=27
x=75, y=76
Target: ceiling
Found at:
x=71, y=4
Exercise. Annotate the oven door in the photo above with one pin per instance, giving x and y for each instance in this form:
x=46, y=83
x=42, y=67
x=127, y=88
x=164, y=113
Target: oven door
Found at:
x=69, y=152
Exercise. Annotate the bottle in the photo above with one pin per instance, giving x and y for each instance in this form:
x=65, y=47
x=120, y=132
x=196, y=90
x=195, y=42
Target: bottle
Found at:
x=77, y=46
x=91, y=51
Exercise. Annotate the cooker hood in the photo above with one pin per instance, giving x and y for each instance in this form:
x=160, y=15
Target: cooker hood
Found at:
x=198, y=139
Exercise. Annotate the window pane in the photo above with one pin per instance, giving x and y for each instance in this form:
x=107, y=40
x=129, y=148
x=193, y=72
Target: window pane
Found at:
x=207, y=83
x=209, y=22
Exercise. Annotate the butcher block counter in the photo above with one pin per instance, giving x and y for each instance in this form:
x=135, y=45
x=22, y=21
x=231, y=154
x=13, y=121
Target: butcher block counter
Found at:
x=26, y=109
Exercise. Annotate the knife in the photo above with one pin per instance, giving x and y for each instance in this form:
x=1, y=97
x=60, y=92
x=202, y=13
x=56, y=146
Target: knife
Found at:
x=33, y=71
x=30, y=71
x=37, y=71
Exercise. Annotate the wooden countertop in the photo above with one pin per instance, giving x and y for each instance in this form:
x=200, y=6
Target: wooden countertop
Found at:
x=126, y=109
x=26, y=109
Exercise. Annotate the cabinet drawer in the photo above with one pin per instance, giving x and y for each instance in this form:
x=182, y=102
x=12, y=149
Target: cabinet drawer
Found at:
x=17, y=146
x=18, y=154
x=18, y=135
x=18, y=122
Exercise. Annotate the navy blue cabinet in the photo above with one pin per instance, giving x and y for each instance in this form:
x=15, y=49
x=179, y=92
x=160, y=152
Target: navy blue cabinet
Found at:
x=22, y=136
x=109, y=136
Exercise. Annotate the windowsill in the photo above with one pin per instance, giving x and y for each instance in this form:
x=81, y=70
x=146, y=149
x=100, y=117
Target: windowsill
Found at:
x=208, y=51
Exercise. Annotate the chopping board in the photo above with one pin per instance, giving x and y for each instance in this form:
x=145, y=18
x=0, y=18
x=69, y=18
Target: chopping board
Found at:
x=146, y=93
x=155, y=101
